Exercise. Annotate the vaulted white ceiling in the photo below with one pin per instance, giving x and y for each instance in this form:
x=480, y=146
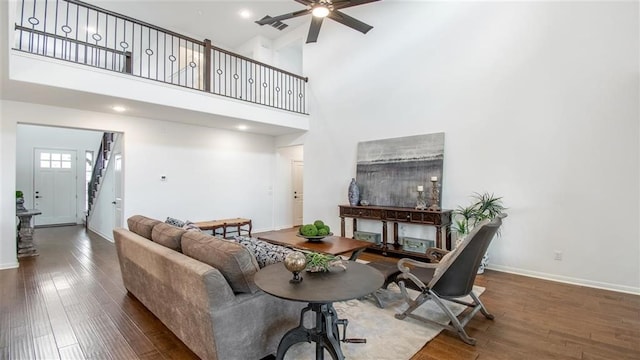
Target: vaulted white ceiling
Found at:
x=219, y=21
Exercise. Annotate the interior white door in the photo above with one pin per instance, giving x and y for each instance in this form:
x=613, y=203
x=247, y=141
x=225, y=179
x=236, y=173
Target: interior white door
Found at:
x=117, y=190
x=54, y=189
x=298, y=193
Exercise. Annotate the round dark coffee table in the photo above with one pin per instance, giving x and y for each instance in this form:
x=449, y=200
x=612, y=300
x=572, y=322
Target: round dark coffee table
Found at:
x=320, y=290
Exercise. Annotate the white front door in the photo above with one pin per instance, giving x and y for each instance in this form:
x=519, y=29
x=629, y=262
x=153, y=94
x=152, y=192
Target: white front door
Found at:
x=54, y=186
x=117, y=190
x=298, y=198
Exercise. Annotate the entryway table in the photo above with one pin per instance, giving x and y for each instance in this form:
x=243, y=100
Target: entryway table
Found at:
x=25, y=233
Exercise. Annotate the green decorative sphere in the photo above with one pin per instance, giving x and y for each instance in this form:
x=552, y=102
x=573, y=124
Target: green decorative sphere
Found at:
x=309, y=230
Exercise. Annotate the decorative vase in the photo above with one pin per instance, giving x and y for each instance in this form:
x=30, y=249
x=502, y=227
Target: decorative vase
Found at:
x=483, y=263
x=354, y=193
x=295, y=262
x=20, y=204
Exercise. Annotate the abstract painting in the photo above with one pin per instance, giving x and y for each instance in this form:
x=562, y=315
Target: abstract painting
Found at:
x=389, y=171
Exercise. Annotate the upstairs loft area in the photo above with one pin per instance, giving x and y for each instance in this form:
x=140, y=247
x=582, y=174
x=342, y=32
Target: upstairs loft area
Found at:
x=84, y=34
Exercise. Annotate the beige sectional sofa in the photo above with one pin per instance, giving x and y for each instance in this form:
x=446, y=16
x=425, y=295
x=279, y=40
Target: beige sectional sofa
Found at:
x=202, y=289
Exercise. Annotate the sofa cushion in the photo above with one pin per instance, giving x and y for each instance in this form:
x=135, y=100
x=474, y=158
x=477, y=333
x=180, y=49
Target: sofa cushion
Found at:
x=233, y=260
x=167, y=235
x=175, y=222
x=142, y=225
x=264, y=252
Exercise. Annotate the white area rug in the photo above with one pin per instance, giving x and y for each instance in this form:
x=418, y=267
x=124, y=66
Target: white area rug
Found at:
x=387, y=337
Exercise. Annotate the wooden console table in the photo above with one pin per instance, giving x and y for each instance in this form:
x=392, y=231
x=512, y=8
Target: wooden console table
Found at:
x=441, y=220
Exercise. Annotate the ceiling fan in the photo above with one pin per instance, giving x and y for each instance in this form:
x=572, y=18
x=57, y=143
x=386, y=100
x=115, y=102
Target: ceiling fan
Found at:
x=321, y=9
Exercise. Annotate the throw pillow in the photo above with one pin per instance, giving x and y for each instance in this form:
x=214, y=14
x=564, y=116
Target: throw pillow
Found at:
x=142, y=225
x=189, y=226
x=233, y=260
x=175, y=222
x=167, y=235
x=264, y=252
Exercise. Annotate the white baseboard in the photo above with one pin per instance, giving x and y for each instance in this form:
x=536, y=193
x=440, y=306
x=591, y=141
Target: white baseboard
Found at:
x=6, y=266
x=567, y=280
x=109, y=239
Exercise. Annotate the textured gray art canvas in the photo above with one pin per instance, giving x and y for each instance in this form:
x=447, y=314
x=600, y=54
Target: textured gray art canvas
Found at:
x=389, y=171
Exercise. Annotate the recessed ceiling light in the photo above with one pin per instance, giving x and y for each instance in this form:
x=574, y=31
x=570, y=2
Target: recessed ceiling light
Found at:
x=245, y=14
x=242, y=127
x=119, y=108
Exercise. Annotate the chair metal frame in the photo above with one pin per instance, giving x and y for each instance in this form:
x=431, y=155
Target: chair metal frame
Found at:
x=452, y=279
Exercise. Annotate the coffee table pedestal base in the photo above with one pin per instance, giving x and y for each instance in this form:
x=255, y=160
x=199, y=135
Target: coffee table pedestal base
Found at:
x=325, y=334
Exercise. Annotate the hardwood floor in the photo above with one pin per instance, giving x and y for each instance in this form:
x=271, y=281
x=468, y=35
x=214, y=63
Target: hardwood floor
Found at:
x=70, y=303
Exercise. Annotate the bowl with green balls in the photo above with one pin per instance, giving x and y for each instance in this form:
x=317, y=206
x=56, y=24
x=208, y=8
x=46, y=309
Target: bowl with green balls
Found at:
x=315, y=232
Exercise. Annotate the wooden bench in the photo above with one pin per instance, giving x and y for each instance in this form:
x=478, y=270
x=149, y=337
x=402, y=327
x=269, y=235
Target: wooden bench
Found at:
x=227, y=225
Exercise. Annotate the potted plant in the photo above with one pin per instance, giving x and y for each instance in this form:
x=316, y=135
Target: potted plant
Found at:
x=484, y=206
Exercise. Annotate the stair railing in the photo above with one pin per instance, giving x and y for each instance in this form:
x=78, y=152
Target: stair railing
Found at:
x=101, y=162
x=85, y=34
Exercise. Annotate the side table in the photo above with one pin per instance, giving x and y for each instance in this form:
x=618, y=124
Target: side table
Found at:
x=320, y=290
x=25, y=233
x=227, y=225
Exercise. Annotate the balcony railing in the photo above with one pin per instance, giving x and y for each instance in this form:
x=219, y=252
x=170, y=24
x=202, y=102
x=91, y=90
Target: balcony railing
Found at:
x=85, y=34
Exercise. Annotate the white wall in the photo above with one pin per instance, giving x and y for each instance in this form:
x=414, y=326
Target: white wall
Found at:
x=8, y=253
x=538, y=102
x=30, y=137
x=211, y=173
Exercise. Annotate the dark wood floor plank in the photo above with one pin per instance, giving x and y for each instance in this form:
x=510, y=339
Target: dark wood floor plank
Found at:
x=73, y=352
x=45, y=348
x=140, y=344
x=21, y=345
x=58, y=317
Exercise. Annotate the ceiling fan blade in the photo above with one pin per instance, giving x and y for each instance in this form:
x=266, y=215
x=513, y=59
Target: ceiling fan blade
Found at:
x=305, y=2
x=347, y=20
x=314, y=29
x=349, y=3
x=267, y=20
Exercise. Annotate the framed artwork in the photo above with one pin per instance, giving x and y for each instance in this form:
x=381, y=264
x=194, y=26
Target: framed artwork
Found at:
x=389, y=171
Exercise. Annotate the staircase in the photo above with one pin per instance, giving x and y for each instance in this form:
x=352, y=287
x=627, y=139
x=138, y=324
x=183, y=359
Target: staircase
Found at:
x=99, y=167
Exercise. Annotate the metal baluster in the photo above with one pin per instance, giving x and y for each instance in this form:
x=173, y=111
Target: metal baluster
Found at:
x=140, y=51
x=157, y=53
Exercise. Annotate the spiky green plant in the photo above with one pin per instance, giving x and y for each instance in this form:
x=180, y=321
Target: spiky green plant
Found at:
x=485, y=206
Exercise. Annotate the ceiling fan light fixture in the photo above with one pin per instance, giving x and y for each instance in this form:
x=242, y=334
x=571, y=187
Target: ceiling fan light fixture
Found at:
x=320, y=11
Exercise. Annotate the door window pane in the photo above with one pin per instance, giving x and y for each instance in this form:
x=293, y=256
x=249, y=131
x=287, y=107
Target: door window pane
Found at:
x=66, y=157
x=55, y=164
x=55, y=156
x=66, y=164
x=45, y=156
x=44, y=164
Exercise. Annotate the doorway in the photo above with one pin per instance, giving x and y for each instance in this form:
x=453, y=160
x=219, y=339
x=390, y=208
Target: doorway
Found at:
x=64, y=151
x=54, y=186
x=298, y=191
x=117, y=189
